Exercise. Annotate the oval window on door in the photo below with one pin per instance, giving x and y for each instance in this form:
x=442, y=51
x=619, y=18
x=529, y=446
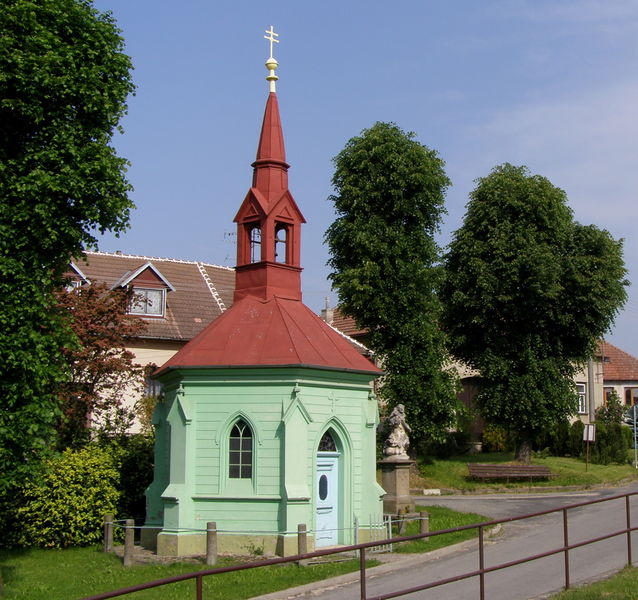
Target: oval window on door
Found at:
x=323, y=487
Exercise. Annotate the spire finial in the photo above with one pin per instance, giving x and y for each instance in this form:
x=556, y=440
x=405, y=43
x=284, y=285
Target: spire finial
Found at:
x=271, y=63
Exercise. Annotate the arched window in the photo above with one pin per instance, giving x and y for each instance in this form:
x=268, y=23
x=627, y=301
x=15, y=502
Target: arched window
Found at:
x=281, y=243
x=327, y=443
x=254, y=235
x=240, y=451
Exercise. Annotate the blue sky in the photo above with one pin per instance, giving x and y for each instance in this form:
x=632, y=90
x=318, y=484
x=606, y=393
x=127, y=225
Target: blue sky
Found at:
x=551, y=84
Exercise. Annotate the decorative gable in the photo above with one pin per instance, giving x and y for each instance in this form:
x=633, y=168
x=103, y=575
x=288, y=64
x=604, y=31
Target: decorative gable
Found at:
x=76, y=277
x=149, y=287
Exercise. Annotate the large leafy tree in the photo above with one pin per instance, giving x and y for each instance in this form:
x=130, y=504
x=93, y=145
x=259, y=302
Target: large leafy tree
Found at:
x=528, y=293
x=389, y=196
x=64, y=81
x=103, y=373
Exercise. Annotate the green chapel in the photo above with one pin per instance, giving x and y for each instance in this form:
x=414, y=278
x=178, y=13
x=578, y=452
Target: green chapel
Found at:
x=268, y=419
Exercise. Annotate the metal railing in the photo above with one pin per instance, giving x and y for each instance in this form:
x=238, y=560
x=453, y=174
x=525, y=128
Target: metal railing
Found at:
x=362, y=549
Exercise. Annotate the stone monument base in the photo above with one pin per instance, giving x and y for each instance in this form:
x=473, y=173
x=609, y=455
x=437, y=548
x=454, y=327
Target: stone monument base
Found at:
x=395, y=479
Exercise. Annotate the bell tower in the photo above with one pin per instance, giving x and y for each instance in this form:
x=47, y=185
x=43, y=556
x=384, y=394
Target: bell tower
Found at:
x=269, y=220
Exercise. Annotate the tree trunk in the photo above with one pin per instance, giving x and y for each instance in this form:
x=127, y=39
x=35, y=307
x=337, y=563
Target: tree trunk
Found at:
x=524, y=450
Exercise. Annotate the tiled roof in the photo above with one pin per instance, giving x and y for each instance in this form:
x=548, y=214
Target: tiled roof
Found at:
x=202, y=291
x=346, y=324
x=617, y=364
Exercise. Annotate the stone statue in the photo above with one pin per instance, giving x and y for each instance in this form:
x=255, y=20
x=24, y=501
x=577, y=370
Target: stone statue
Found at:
x=397, y=443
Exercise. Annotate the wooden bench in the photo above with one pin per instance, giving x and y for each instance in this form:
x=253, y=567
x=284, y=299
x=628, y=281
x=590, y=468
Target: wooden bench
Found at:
x=508, y=471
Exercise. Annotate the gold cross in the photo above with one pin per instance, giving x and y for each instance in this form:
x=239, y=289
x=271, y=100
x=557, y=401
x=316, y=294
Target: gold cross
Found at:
x=271, y=37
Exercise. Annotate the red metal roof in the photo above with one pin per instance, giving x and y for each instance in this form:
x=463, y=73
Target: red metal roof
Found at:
x=618, y=365
x=273, y=332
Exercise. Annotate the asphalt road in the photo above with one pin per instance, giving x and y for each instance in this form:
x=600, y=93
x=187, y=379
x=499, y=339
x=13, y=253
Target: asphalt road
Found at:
x=516, y=540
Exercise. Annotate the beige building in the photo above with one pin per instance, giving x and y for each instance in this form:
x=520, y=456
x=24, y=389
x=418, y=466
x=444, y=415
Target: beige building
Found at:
x=179, y=299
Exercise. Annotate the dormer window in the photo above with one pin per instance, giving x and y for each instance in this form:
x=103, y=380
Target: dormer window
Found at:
x=148, y=302
x=149, y=288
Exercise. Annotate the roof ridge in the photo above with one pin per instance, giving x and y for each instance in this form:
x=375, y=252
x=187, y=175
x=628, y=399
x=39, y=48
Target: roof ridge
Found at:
x=351, y=339
x=173, y=260
x=211, y=286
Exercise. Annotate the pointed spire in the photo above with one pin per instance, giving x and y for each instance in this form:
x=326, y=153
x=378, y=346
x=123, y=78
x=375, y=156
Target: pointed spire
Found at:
x=271, y=141
x=271, y=170
x=269, y=221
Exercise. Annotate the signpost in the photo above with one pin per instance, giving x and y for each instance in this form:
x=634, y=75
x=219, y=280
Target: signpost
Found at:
x=633, y=415
x=589, y=436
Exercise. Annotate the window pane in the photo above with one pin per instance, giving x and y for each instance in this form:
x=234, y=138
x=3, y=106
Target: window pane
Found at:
x=327, y=443
x=154, y=303
x=323, y=487
x=240, y=455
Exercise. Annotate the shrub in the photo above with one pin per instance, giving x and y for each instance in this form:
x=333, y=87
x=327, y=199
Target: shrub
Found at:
x=454, y=443
x=66, y=506
x=133, y=457
x=495, y=439
x=610, y=445
x=576, y=439
x=555, y=441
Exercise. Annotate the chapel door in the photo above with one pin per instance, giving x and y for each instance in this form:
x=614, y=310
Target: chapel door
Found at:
x=327, y=493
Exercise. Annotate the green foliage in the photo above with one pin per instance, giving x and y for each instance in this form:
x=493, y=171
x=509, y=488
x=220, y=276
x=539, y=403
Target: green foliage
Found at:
x=556, y=440
x=81, y=572
x=133, y=457
x=576, y=445
x=453, y=443
x=66, y=506
x=102, y=371
x=611, y=413
x=389, y=193
x=440, y=518
x=528, y=292
x=495, y=439
x=63, y=87
x=610, y=445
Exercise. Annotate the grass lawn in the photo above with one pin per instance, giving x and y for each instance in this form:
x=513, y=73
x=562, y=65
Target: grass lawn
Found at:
x=441, y=518
x=451, y=473
x=78, y=572
x=623, y=586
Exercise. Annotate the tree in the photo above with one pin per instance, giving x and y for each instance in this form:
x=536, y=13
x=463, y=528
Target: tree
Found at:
x=389, y=194
x=63, y=87
x=102, y=370
x=528, y=293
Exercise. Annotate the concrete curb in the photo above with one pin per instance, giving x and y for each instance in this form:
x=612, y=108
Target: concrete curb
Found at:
x=391, y=562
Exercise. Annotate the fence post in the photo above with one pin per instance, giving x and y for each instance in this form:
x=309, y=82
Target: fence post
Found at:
x=211, y=543
x=108, y=533
x=129, y=542
x=481, y=563
x=362, y=574
x=566, y=546
x=425, y=522
x=302, y=542
x=628, y=513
